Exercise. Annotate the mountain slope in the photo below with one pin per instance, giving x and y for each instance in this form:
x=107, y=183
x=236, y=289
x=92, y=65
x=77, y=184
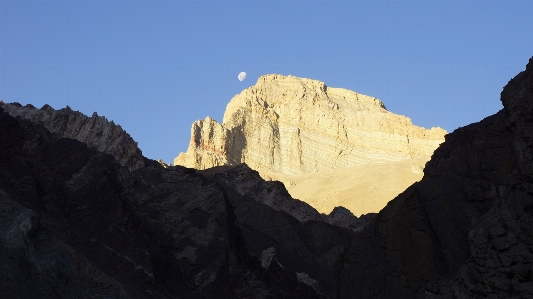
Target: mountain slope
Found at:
x=290, y=126
x=74, y=223
x=96, y=131
x=465, y=230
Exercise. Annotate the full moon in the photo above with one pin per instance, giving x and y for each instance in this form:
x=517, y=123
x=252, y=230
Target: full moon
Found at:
x=241, y=76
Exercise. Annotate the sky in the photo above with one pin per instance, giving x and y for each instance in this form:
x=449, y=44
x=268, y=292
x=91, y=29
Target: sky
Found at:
x=155, y=67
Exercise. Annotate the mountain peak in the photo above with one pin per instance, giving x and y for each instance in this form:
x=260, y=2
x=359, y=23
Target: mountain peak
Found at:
x=292, y=125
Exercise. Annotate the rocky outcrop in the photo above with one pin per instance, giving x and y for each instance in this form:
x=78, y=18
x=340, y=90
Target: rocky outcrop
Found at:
x=37, y=264
x=96, y=131
x=294, y=126
x=247, y=182
x=76, y=224
x=465, y=230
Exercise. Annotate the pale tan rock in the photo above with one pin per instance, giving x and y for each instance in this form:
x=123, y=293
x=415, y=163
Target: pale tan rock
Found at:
x=207, y=147
x=162, y=163
x=294, y=126
x=361, y=189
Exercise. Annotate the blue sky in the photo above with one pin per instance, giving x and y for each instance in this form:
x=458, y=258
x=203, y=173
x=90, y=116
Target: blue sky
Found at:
x=154, y=67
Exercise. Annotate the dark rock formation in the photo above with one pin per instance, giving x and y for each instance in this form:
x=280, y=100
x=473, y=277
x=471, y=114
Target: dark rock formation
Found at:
x=75, y=223
x=466, y=229
x=247, y=182
x=96, y=131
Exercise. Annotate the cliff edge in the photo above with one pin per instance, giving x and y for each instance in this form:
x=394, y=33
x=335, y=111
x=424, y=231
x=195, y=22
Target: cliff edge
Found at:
x=291, y=125
x=299, y=131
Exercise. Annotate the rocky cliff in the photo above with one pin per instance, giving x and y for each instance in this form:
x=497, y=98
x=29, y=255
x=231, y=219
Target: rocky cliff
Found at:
x=95, y=131
x=466, y=229
x=74, y=223
x=291, y=125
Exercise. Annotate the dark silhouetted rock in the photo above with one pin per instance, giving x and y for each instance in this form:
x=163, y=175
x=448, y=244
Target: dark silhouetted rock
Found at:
x=466, y=229
x=96, y=131
x=247, y=182
x=75, y=223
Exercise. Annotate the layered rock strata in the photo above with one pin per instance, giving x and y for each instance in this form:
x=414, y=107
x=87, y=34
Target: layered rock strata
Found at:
x=96, y=131
x=76, y=224
x=291, y=125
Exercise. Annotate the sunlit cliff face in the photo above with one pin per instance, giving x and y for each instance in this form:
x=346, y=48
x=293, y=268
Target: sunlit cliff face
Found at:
x=285, y=125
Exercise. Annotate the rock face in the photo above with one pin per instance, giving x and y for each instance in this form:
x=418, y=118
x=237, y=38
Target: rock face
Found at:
x=247, y=182
x=95, y=131
x=295, y=126
x=466, y=229
x=74, y=223
x=361, y=189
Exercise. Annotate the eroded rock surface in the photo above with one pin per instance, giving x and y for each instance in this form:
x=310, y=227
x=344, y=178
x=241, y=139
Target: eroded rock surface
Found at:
x=295, y=126
x=298, y=130
x=96, y=131
x=76, y=224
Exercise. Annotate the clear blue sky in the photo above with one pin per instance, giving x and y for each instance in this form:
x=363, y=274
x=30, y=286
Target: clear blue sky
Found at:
x=154, y=67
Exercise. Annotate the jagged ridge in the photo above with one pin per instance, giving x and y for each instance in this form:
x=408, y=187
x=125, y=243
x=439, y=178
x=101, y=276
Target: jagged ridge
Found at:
x=75, y=224
x=95, y=131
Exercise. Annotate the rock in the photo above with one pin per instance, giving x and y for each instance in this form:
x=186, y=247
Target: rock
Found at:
x=417, y=168
x=96, y=131
x=247, y=182
x=162, y=163
x=76, y=224
x=465, y=230
x=289, y=126
x=293, y=126
x=304, y=278
x=37, y=264
x=341, y=216
x=266, y=257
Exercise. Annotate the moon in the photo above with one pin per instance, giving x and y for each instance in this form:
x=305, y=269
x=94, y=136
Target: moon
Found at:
x=241, y=76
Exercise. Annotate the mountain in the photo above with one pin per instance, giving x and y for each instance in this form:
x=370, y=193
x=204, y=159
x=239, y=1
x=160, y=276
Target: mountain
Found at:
x=286, y=127
x=96, y=131
x=466, y=229
x=293, y=126
x=75, y=223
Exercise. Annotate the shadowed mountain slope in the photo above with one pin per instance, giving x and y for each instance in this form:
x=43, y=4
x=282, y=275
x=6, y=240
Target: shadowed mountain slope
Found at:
x=96, y=131
x=75, y=223
x=466, y=229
